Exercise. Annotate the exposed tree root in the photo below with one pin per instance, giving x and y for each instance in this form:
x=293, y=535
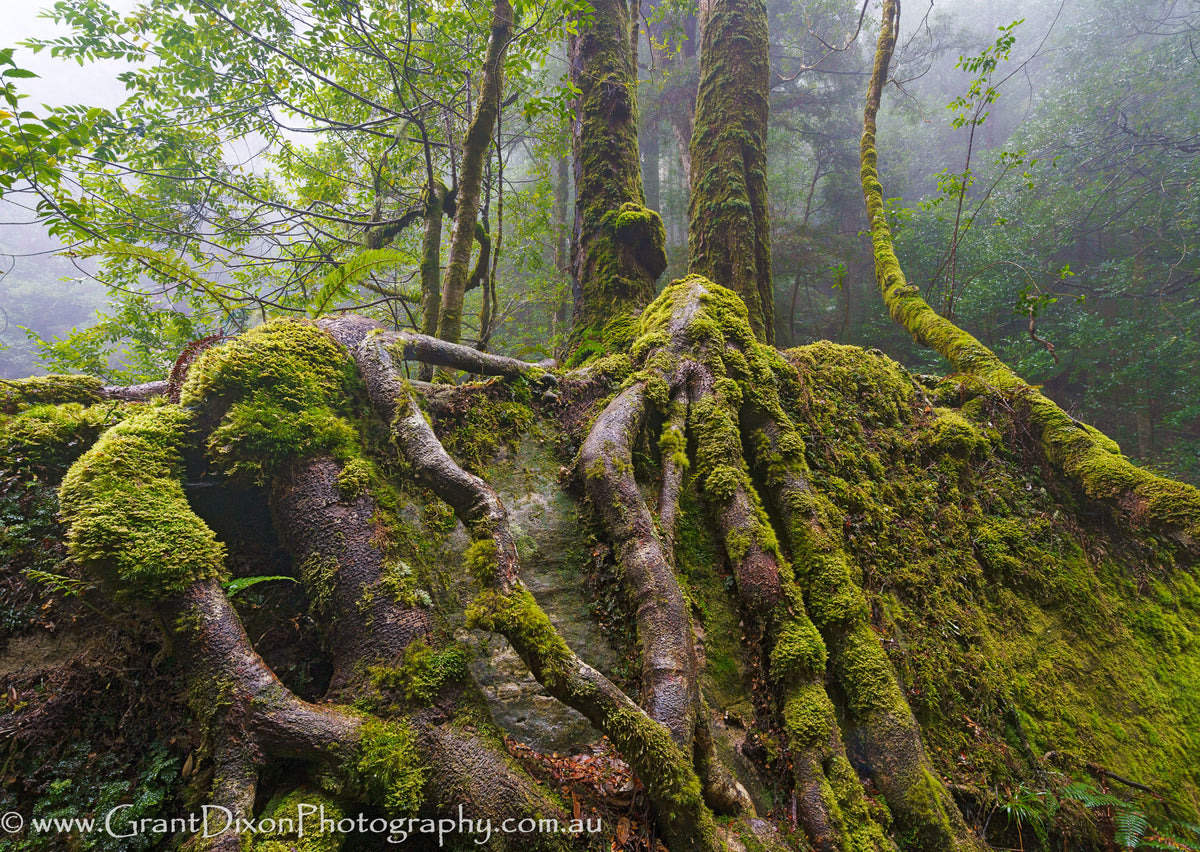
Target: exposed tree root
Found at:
x=1080, y=451
x=716, y=393
x=507, y=607
x=669, y=666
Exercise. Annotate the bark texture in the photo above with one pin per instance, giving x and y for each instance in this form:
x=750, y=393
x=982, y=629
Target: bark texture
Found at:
x=729, y=237
x=619, y=248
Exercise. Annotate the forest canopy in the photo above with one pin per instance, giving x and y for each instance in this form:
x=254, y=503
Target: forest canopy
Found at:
x=479, y=428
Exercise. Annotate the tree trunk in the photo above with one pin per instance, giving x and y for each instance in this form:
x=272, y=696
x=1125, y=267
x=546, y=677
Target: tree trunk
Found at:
x=431, y=257
x=729, y=238
x=475, y=147
x=619, y=248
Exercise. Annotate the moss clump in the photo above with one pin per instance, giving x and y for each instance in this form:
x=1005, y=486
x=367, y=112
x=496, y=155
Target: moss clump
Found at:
x=483, y=419
x=480, y=560
x=288, y=832
x=47, y=438
x=388, y=766
x=354, y=477
x=297, y=363
x=257, y=438
x=954, y=435
x=799, y=650
x=723, y=482
x=425, y=670
x=808, y=717
x=399, y=582
x=127, y=517
x=16, y=394
x=282, y=391
x=645, y=744
x=525, y=624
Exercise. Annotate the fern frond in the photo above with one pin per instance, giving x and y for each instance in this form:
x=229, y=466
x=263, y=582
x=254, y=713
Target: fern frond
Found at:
x=1131, y=825
x=164, y=263
x=60, y=583
x=1090, y=797
x=336, y=285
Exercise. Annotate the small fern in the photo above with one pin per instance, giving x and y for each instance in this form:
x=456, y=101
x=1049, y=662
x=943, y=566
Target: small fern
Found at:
x=64, y=585
x=1132, y=827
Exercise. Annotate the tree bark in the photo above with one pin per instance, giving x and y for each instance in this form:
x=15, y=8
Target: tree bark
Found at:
x=475, y=148
x=619, y=248
x=729, y=238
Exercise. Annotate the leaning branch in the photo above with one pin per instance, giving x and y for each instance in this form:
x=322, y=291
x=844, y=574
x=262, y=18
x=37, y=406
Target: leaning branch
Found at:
x=1082, y=452
x=352, y=330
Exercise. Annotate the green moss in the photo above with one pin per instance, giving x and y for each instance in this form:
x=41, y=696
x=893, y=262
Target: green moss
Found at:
x=955, y=435
x=47, y=438
x=425, y=671
x=672, y=443
x=652, y=754
x=257, y=438
x=480, y=560
x=723, y=482
x=525, y=624
x=399, y=582
x=388, y=766
x=128, y=520
x=281, y=391
x=291, y=833
x=16, y=394
x=799, y=650
x=318, y=574
x=354, y=477
x=808, y=717
x=293, y=361
x=491, y=416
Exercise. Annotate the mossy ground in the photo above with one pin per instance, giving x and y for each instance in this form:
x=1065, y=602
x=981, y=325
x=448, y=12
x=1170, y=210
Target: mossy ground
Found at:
x=1034, y=635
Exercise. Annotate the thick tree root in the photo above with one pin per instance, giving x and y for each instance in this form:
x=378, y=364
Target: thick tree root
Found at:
x=507, y=607
x=462, y=763
x=669, y=665
x=670, y=668
x=1080, y=451
x=350, y=330
x=732, y=386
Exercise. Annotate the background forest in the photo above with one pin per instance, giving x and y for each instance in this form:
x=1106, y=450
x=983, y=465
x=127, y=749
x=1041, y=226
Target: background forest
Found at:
x=1041, y=156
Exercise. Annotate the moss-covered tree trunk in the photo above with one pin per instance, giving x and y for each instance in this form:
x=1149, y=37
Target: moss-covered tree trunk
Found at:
x=729, y=238
x=619, y=249
x=475, y=147
x=434, y=201
x=1079, y=450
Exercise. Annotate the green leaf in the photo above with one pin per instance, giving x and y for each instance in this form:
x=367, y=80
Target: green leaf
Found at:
x=234, y=586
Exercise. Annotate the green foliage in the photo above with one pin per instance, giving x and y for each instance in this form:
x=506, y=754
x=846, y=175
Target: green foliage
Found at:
x=335, y=110
x=88, y=782
x=232, y=587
